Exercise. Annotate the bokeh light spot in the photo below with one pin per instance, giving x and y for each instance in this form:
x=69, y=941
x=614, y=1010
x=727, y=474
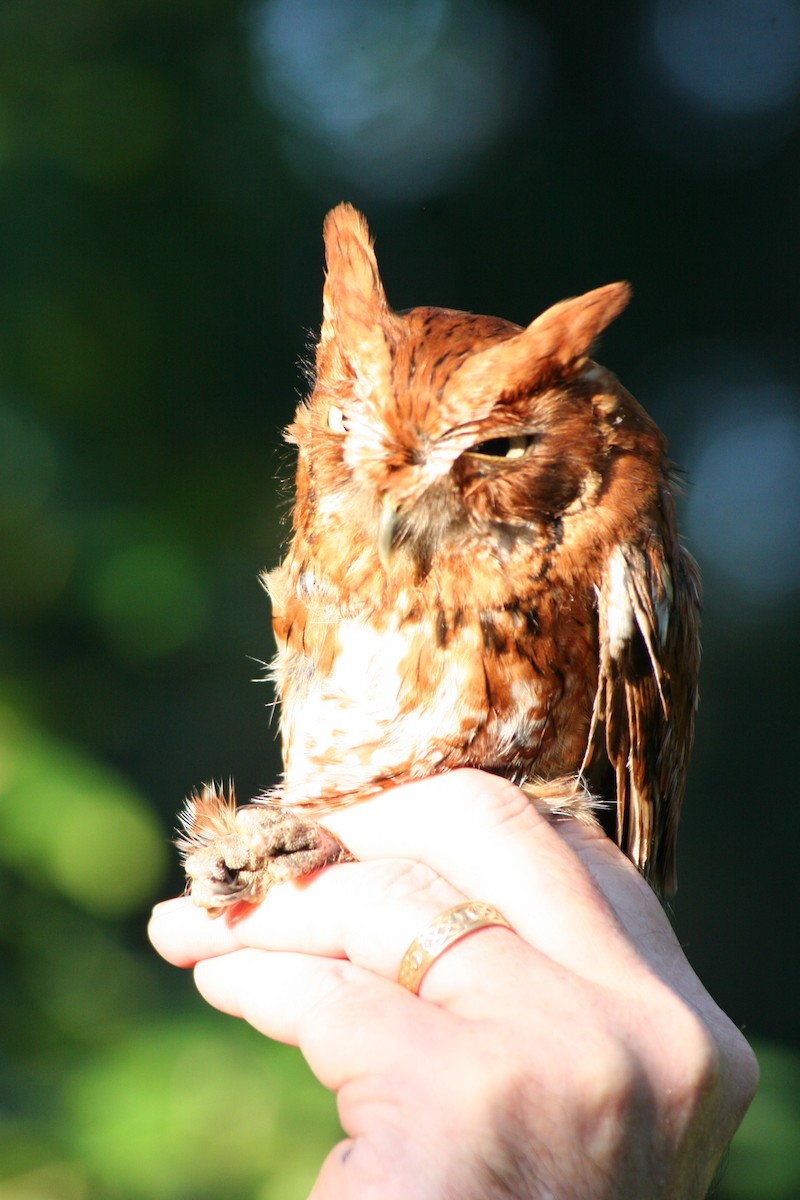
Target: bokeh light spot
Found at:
x=736, y=58
x=744, y=504
x=399, y=97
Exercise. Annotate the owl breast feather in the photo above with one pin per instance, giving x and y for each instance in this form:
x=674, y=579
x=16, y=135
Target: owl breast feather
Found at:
x=429, y=692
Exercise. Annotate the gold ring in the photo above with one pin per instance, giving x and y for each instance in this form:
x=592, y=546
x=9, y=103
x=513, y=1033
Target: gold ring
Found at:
x=440, y=935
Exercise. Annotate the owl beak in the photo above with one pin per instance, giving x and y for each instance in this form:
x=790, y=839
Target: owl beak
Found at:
x=387, y=532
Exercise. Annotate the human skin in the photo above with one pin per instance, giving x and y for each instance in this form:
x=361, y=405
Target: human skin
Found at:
x=578, y=1056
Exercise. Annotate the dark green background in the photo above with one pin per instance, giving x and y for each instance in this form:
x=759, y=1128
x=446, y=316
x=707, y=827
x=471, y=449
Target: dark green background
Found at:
x=160, y=271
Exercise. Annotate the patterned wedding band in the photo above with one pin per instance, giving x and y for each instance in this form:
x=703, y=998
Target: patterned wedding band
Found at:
x=440, y=935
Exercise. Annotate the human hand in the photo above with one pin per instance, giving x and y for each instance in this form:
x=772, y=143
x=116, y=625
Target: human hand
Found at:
x=577, y=1057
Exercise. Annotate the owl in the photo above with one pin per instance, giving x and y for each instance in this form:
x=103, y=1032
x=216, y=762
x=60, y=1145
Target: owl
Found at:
x=484, y=571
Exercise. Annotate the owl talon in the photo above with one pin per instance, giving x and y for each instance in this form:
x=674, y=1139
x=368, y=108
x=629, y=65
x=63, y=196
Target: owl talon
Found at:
x=233, y=855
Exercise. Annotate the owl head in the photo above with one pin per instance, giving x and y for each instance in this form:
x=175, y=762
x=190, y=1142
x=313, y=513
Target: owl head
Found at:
x=434, y=422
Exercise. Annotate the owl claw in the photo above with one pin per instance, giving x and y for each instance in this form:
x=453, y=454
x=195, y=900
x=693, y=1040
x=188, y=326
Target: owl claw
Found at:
x=235, y=855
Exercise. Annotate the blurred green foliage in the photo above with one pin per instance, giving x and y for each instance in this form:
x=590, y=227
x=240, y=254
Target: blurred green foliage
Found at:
x=159, y=269
x=88, y=837
x=764, y=1159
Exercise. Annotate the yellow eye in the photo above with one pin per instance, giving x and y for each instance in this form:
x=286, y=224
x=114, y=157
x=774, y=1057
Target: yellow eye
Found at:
x=336, y=419
x=503, y=447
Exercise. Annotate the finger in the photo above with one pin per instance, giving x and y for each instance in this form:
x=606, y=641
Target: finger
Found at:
x=482, y=834
x=487, y=839
x=334, y=1180
x=368, y=913
x=348, y=1023
x=182, y=933
x=335, y=914
x=382, y=1161
x=354, y=1026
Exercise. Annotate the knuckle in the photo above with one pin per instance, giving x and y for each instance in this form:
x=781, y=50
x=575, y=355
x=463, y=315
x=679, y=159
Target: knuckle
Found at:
x=405, y=880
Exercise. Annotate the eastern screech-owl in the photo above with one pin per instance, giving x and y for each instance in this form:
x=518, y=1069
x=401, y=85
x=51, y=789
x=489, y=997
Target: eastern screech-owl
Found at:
x=484, y=571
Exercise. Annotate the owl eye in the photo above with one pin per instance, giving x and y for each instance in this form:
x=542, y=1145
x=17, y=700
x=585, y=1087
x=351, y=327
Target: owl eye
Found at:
x=336, y=419
x=503, y=447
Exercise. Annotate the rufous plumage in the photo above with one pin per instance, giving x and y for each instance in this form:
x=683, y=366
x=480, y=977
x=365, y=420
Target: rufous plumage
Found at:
x=484, y=571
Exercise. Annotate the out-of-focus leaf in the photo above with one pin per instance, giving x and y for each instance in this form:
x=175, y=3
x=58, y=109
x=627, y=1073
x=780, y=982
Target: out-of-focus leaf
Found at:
x=69, y=824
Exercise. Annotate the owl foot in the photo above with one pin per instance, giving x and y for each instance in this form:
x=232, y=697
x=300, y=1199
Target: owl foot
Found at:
x=234, y=855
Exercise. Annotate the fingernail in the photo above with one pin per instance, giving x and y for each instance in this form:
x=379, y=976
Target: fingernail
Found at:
x=164, y=906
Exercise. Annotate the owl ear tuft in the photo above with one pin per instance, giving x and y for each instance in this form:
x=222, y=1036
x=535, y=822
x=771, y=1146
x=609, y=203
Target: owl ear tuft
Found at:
x=555, y=345
x=563, y=334
x=353, y=299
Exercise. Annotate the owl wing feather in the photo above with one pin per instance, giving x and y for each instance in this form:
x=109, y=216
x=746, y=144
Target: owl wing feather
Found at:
x=642, y=723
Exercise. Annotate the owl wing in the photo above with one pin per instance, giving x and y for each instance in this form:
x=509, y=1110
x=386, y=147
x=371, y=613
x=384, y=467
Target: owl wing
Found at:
x=642, y=724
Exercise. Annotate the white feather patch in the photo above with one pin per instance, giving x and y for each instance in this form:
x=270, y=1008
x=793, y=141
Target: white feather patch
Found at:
x=620, y=620
x=664, y=603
